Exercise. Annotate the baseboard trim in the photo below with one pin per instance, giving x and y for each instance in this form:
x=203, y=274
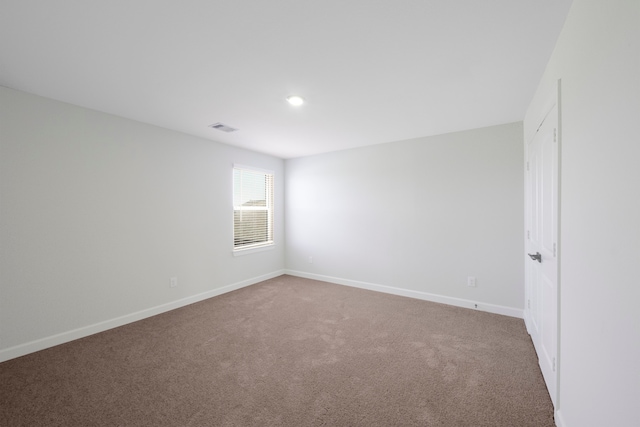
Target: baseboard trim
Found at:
x=64, y=337
x=458, y=302
x=559, y=420
x=526, y=315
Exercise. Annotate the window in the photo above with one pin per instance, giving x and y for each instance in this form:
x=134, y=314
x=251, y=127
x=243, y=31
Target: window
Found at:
x=252, y=208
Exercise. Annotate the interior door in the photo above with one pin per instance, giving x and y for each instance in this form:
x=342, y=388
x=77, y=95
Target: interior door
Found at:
x=542, y=247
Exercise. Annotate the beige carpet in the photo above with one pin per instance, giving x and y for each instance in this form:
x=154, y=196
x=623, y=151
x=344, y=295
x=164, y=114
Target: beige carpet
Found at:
x=288, y=352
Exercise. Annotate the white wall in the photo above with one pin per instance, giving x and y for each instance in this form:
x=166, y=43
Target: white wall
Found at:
x=598, y=59
x=98, y=212
x=418, y=216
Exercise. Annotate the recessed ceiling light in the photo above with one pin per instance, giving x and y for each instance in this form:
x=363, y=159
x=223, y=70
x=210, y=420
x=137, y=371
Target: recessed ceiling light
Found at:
x=295, y=100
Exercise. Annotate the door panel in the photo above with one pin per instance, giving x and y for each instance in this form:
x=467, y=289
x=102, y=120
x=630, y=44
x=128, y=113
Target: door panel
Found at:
x=548, y=336
x=542, y=237
x=534, y=301
x=548, y=194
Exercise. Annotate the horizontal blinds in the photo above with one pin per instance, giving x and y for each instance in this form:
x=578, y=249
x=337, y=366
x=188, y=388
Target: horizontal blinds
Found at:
x=252, y=208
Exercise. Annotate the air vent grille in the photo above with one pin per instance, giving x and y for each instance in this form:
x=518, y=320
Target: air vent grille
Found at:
x=223, y=127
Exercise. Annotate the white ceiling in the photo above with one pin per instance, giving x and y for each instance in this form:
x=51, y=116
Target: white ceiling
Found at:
x=372, y=71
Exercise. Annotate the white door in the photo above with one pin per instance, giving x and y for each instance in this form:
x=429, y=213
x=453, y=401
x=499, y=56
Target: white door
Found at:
x=542, y=247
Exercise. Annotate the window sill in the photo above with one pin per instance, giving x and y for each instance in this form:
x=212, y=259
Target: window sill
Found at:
x=247, y=251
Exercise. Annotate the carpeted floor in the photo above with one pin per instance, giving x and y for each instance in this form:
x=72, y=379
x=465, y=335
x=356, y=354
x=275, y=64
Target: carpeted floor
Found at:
x=288, y=352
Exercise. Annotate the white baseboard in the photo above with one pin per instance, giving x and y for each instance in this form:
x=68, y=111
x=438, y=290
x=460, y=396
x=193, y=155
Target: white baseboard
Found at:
x=527, y=320
x=61, y=338
x=458, y=302
x=559, y=420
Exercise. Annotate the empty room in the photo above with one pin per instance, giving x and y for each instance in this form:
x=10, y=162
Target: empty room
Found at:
x=292, y=213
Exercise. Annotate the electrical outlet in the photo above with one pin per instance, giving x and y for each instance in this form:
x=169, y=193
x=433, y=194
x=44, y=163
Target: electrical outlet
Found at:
x=310, y=260
x=471, y=281
x=174, y=282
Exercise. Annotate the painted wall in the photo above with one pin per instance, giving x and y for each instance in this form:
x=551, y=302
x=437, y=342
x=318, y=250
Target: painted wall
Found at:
x=598, y=59
x=97, y=213
x=416, y=217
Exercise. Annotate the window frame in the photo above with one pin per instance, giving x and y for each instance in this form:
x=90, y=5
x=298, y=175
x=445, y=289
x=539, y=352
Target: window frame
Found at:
x=269, y=208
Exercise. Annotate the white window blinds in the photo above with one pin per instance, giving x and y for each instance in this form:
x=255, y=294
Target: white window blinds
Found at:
x=252, y=207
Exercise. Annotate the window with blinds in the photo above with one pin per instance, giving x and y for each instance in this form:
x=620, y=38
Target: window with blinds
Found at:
x=252, y=207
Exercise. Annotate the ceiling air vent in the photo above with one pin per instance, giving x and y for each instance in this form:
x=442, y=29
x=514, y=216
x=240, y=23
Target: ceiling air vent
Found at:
x=222, y=127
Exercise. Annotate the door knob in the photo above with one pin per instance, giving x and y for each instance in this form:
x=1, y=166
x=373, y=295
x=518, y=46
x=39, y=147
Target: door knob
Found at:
x=536, y=257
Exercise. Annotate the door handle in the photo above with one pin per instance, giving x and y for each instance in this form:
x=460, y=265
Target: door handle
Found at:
x=536, y=257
